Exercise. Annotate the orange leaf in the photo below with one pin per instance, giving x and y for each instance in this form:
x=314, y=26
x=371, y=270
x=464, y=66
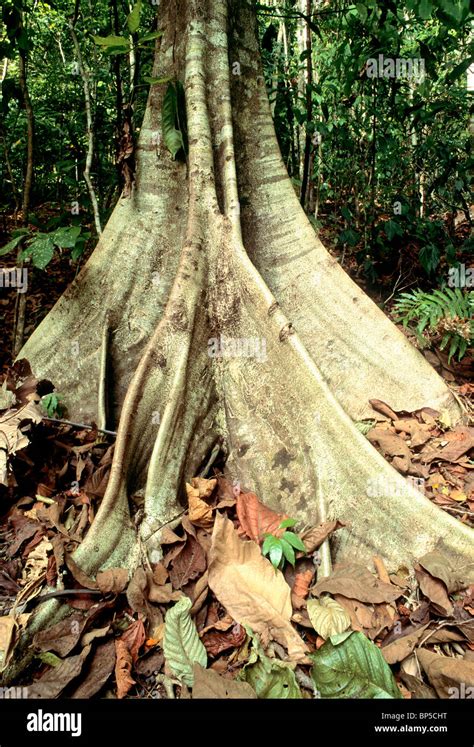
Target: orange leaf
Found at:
x=302, y=582
x=256, y=519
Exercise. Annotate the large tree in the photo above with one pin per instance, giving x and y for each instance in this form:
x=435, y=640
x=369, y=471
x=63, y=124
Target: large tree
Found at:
x=217, y=246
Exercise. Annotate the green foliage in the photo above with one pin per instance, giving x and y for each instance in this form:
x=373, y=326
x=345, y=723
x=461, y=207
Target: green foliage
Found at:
x=173, y=118
x=443, y=316
x=281, y=548
x=353, y=668
x=182, y=645
x=270, y=678
x=51, y=403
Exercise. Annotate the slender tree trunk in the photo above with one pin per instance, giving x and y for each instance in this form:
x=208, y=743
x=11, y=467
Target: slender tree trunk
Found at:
x=309, y=108
x=20, y=308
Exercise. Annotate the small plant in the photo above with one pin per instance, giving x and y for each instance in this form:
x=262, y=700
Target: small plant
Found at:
x=51, y=403
x=442, y=317
x=281, y=548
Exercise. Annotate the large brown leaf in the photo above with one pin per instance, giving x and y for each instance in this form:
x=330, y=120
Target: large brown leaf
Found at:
x=250, y=589
x=314, y=537
x=97, y=671
x=402, y=646
x=63, y=636
x=356, y=582
x=435, y=590
x=449, y=677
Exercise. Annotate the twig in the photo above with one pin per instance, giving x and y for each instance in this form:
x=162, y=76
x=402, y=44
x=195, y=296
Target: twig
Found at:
x=80, y=425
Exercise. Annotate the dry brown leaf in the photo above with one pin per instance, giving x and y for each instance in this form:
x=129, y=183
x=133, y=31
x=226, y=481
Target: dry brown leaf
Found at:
x=217, y=641
x=98, y=670
x=447, y=675
x=435, y=591
x=402, y=646
x=210, y=684
x=188, y=564
x=314, y=537
x=63, y=636
x=361, y=615
x=439, y=566
x=302, y=582
x=200, y=512
x=79, y=575
x=8, y=628
x=53, y=682
x=123, y=668
x=112, y=580
x=160, y=574
x=383, y=408
x=12, y=439
x=250, y=589
x=356, y=582
x=163, y=594
x=256, y=519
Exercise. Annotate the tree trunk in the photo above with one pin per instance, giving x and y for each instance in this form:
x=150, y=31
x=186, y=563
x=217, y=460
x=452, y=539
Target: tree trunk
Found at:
x=219, y=247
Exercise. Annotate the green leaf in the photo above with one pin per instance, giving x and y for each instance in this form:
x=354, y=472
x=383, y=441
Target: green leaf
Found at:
x=353, y=669
x=11, y=245
x=362, y=12
x=425, y=9
x=269, y=542
x=392, y=229
x=51, y=403
x=41, y=251
x=111, y=41
x=459, y=70
x=149, y=37
x=294, y=540
x=288, y=523
x=133, y=19
x=276, y=554
x=182, y=645
x=66, y=238
x=288, y=551
x=172, y=134
x=47, y=657
x=270, y=678
x=328, y=617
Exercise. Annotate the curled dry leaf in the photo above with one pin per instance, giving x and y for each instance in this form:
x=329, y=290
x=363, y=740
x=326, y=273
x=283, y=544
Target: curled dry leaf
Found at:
x=435, y=591
x=217, y=641
x=402, y=646
x=188, y=564
x=123, y=668
x=250, y=589
x=63, y=636
x=12, y=439
x=8, y=629
x=356, y=582
x=256, y=519
x=200, y=512
x=301, y=584
x=328, y=617
x=314, y=537
x=439, y=566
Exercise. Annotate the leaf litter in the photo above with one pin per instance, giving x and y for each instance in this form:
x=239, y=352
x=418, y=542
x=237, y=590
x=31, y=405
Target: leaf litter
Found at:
x=214, y=618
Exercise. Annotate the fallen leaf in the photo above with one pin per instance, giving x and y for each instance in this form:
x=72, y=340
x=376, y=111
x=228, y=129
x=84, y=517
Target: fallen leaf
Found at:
x=63, y=636
x=216, y=641
x=356, y=582
x=314, y=537
x=250, y=589
x=269, y=678
x=435, y=591
x=55, y=680
x=200, y=512
x=112, y=580
x=8, y=628
x=210, y=684
x=439, y=565
x=328, y=617
x=97, y=671
x=447, y=675
x=181, y=645
x=256, y=519
x=123, y=668
x=361, y=616
x=188, y=564
x=402, y=646
x=12, y=439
